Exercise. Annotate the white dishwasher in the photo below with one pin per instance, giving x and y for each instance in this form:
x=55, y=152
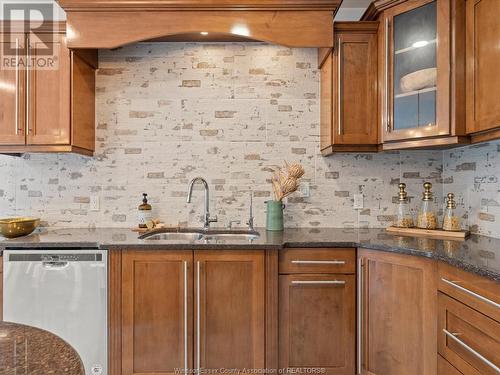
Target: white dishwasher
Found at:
x=64, y=292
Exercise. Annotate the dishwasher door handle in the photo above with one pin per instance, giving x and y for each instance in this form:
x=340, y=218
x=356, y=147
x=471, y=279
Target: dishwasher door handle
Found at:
x=55, y=265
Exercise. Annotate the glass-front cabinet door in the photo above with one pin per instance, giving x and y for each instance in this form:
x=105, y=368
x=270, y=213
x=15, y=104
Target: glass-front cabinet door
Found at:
x=416, y=97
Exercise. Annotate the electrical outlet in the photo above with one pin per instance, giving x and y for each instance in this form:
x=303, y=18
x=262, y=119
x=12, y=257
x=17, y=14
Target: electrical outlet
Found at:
x=358, y=201
x=94, y=203
x=305, y=189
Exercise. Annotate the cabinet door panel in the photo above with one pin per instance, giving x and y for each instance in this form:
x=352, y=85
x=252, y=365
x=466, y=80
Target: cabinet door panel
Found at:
x=317, y=322
x=12, y=89
x=48, y=84
x=483, y=69
x=416, y=88
x=156, y=312
x=461, y=326
x=356, y=94
x=229, y=309
x=326, y=94
x=399, y=312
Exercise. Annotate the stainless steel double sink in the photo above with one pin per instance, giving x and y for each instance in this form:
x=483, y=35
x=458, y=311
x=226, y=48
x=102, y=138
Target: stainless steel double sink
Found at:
x=193, y=234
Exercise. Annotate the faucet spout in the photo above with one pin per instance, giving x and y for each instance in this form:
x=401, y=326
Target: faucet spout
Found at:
x=207, y=218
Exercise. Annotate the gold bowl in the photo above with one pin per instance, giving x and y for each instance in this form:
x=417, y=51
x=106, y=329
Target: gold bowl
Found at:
x=18, y=226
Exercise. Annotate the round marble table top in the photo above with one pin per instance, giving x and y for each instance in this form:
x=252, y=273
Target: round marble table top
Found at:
x=26, y=350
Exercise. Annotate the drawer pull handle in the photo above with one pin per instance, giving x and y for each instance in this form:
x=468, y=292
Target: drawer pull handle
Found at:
x=478, y=296
x=339, y=282
x=318, y=261
x=454, y=337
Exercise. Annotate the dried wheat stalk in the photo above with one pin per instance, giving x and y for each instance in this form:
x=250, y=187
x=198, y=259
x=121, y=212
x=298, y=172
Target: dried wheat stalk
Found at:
x=285, y=180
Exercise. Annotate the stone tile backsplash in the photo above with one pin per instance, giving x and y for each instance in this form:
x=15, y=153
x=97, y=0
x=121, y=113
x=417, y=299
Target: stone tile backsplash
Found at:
x=168, y=112
x=473, y=173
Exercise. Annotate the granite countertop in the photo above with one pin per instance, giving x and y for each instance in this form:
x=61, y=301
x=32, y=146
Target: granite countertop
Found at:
x=478, y=254
x=29, y=350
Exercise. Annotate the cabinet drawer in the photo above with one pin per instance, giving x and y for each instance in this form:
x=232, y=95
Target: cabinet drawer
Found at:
x=444, y=367
x=467, y=339
x=480, y=293
x=317, y=260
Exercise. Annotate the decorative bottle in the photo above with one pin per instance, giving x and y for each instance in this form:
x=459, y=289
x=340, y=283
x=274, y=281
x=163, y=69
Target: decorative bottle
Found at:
x=145, y=212
x=451, y=221
x=427, y=218
x=403, y=217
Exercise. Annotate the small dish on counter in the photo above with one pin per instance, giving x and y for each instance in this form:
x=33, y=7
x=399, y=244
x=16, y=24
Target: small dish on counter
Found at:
x=18, y=226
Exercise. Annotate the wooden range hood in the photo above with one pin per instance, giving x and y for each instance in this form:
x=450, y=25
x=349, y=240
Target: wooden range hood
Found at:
x=114, y=23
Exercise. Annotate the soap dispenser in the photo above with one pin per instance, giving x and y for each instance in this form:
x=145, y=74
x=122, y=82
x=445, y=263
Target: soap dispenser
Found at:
x=145, y=212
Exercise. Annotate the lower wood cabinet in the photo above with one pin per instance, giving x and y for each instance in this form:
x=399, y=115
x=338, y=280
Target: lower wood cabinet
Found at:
x=397, y=314
x=469, y=321
x=189, y=310
x=317, y=322
x=444, y=367
x=317, y=289
x=157, y=314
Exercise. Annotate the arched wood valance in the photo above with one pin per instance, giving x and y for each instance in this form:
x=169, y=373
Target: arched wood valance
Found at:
x=114, y=23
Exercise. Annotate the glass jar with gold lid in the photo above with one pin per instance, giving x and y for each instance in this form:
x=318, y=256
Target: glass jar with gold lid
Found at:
x=427, y=217
x=451, y=221
x=403, y=217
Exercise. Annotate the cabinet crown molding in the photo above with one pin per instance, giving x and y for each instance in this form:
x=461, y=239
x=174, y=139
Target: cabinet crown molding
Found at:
x=131, y=5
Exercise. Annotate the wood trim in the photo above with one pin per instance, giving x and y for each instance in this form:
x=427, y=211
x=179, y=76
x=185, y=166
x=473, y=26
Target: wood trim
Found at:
x=131, y=5
x=58, y=27
x=377, y=7
x=114, y=312
x=361, y=27
x=90, y=56
x=271, y=308
x=44, y=149
x=489, y=135
x=350, y=148
x=430, y=143
x=91, y=29
x=323, y=54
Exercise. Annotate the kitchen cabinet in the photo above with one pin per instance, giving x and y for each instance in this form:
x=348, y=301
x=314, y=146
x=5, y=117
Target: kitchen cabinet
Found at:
x=48, y=107
x=317, y=310
x=11, y=91
x=397, y=312
x=185, y=309
x=421, y=72
x=349, y=90
x=469, y=321
x=157, y=316
x=483, y=70
x=229, y=309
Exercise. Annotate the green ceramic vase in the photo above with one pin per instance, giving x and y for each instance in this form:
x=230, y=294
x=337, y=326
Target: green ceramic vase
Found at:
x=274, y=218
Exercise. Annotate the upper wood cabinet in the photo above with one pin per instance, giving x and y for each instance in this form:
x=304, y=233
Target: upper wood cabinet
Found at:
x=397, y=314
x=421, y=72
x=48, y=95
x=349, y=90
x=483, y=69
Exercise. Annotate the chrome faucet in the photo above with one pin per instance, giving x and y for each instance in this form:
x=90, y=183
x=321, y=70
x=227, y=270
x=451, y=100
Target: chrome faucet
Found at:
x=207, y=218
x=250, y=218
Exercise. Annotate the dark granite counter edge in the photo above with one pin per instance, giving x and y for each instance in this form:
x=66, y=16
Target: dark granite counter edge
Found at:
x=481, y=271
